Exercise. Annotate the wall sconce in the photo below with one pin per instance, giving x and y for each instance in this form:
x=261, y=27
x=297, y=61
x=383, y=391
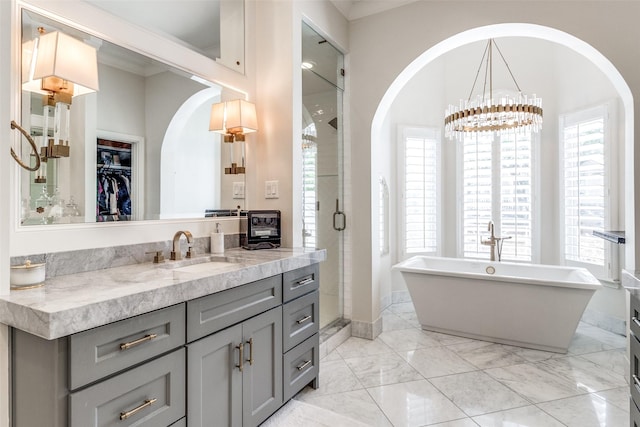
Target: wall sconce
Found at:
x=234, y=119
x=67, y=67
x=59, y=67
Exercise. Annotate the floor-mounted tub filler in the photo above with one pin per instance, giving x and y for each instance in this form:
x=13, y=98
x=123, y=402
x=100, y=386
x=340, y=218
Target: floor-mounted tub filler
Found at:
x=527, y=305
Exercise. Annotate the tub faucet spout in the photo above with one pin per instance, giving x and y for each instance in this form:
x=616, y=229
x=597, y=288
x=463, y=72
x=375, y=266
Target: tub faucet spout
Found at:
x=175, y=253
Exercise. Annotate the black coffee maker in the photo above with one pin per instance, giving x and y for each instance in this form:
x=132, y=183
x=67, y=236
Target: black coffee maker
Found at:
x=263, y=229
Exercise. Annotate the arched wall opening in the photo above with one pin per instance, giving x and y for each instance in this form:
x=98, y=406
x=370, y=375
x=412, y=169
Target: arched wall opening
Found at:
x=190, y=155
x=380, y=124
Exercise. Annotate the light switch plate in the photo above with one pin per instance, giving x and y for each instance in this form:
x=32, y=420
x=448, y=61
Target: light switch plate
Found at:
x=238, y=190
x=271, y=190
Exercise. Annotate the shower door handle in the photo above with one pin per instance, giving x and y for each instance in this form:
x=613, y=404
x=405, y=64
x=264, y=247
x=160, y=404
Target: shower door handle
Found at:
x=339, y=213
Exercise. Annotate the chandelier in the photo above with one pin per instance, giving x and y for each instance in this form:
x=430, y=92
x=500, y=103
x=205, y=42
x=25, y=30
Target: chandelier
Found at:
x=485, y=113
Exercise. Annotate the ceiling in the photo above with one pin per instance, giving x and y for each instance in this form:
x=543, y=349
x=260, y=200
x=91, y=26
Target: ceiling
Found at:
x=355, y=9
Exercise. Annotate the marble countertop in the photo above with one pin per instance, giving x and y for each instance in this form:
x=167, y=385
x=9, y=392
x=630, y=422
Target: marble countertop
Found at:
x=81, y=301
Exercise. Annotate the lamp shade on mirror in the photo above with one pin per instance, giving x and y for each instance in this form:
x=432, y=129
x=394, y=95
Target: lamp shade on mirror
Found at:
x=28, y=63
x=61, y=58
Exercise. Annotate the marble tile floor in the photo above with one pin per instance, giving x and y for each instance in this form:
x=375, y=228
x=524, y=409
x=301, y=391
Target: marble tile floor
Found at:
x=410, y=377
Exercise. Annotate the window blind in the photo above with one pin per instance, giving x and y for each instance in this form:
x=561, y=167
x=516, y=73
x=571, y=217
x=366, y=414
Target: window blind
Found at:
x=584, y=188
x=420, y=180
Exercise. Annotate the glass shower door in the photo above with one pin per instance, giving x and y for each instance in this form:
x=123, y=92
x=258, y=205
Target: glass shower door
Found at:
x=322, y=90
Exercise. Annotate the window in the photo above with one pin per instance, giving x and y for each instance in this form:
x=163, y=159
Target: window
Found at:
x=309, y=186
x=496, y=185
x=585, y=193
x=418, y=174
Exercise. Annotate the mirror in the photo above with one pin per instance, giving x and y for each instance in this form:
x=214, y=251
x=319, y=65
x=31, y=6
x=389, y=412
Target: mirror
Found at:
x=214, y=28
x=139, y=149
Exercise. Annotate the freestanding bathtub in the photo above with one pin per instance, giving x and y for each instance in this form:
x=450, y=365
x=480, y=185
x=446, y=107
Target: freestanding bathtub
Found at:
x=526, y=305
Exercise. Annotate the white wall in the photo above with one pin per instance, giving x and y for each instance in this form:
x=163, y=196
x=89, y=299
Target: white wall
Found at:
x=279, y=89
x=370, y=80
x=121, y=101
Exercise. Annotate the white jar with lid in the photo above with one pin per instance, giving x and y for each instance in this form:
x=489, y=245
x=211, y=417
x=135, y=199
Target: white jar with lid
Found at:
x=27, y=275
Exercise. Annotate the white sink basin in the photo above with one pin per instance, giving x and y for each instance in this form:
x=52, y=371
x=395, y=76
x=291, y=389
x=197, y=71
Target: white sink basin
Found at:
x=204, y=267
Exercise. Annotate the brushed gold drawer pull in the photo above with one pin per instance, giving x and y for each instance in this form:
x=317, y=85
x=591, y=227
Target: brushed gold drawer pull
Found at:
x=127, y=345
x=304, y=282
x=250, y=342
x=304, y=365
x=146, y=404
x=240, y=364
x=304, y=319
x=636, y=321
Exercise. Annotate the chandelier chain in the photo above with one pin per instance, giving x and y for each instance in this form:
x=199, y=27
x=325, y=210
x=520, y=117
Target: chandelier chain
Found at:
x=478, y=73
x=508, y=68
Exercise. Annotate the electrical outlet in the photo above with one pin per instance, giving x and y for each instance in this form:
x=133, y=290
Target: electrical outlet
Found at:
x=271, y=190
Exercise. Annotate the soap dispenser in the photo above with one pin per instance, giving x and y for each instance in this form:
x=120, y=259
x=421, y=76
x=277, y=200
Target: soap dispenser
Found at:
x=217, y=241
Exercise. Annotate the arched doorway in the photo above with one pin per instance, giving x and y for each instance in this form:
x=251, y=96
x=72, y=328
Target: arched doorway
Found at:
x=190, y=155
x=380, y=123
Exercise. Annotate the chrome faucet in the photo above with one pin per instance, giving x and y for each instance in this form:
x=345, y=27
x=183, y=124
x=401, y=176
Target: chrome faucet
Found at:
x=175, y=253
x=491, y=242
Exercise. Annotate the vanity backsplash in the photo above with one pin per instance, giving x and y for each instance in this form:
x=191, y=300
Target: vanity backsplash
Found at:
x=71, y=262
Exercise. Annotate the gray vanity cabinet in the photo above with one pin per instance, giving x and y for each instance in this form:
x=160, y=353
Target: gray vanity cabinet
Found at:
x=230, y=358
x=235, y=375
x=130, y=372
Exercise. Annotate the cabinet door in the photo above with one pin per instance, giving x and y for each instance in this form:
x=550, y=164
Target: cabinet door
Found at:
x=214, y=382
x=262, y=376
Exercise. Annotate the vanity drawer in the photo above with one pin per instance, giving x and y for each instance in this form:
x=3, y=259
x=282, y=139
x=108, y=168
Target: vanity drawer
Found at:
x=301, y=281
x=301, y=365
x=108, y=349
x=152, y=394
x=634, y=371
x=634, y=313
x=215, y=312
x=300, y=319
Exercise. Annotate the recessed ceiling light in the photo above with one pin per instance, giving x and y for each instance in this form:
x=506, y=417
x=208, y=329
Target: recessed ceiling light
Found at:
x=307, y=65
